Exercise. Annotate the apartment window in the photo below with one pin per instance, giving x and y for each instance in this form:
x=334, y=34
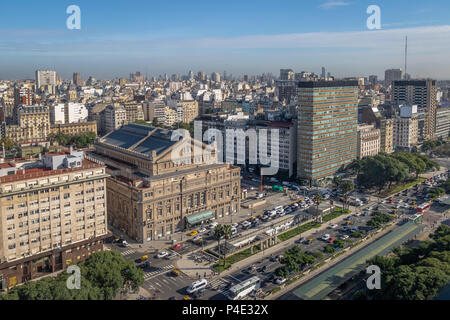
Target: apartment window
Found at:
x=66, y=195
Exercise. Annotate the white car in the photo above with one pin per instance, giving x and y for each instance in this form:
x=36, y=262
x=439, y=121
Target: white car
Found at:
x=202, y=230
x=280, y=281
x=162, y=254
x=235, y=225
x=344, y=237
x=333, y=226
x=326, y=237
x=198, y=238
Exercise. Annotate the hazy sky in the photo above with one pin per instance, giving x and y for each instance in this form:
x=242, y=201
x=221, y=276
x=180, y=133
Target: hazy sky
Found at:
x=241, y=37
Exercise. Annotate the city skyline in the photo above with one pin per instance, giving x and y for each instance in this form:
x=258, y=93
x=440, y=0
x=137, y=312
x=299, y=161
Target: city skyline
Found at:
x=241, y=38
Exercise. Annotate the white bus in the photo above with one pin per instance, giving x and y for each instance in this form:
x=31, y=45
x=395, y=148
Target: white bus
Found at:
x=197, y=285
x=244, y=288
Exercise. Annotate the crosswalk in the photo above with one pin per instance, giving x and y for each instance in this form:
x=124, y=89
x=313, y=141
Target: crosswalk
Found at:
x=157, y=272
x=128, y=252
x=219, y=284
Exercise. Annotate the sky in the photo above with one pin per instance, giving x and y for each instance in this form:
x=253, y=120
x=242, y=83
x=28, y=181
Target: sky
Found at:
x=242, y=37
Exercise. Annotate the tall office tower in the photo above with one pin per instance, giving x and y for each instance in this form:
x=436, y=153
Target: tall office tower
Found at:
x=215, y=76
x=324, y=73
x=190, y=75
x=77, y=79
x=246, y=78
x=45, y=78
x=287, y=74
x=201, y=76
x=422, y=93
x=53, y=215
x=392, y=75
x=328, y=75
x=327, y=127
x=373, y=80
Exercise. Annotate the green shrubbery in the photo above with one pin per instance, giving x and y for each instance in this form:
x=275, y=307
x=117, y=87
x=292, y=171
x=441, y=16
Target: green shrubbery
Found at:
x=103, y=276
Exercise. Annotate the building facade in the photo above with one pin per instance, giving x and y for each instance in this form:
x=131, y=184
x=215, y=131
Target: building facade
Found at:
x=159, y=186
x=442, y=123
x=327, y=127
x=53, y=214
x=368, y=141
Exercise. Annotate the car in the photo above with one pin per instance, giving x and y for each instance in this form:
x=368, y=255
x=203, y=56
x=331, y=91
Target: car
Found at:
x=176, y=247
x=333, y=226
x=326, y=237
x=280, y=281
x=170, y=256
x=344, y=237
x=331, y=240
x=173, y=298
x=301, y=240
x=213, y=225
x=125, y=244
x=193, y=233
x=235, y=225
x=162, y=254
x=202, y=230
x=198, y=237
x=354, y=229
x=175, y=272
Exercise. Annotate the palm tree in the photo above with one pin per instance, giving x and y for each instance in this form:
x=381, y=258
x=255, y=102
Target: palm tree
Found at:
x=336, y=182
x=346, y=187
x=318, y=198
x=227, y=230
x=218, y=234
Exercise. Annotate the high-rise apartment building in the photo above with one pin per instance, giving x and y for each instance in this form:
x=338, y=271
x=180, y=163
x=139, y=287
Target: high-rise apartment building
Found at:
x=215, y=76
x=154, y=110
x=53, y=214
x=327, y=127
x=77, y=79
x=422, y=93
x=45, y=78
x=392, y=75
x=23, y=97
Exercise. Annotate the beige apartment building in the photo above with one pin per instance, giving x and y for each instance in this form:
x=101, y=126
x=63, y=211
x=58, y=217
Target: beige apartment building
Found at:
x=159, y=186
x=53, y=214
x=187, y=111
x=114, y=117
x=171, y=117
x=406, y=133
x=387, y=135
x=368, y=141
x=33, y=125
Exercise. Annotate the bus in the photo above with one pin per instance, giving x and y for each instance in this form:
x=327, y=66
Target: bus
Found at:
x=423, y=207
x=242, y=289
x=417, y=218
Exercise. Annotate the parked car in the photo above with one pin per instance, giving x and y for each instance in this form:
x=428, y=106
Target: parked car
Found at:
x=202, y=230
x=333, y=226
x=326, y=237
x=280, y=281
x=344, y=237
x=193, y=233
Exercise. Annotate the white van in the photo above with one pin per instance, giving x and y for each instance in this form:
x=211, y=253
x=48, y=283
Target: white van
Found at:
x=197, y=285
x=279, y=209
